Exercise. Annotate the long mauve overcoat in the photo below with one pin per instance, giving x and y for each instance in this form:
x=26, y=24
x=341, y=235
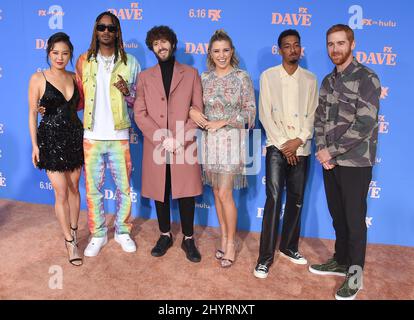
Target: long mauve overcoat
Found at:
x=151, y=112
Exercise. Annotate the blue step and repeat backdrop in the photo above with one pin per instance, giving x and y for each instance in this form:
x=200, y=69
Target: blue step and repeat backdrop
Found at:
x=383, y=42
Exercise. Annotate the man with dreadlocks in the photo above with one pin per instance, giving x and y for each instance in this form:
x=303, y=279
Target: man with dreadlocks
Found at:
x=106, y=76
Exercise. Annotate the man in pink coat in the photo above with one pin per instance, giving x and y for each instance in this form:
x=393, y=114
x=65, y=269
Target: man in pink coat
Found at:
x=165, y=94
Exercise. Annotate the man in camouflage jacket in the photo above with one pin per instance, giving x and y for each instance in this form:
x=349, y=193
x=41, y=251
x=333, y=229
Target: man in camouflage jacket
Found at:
x=346, y=134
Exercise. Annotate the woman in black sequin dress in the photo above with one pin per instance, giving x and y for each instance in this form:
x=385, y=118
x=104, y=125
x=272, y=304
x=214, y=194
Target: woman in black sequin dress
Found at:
x=58, y=140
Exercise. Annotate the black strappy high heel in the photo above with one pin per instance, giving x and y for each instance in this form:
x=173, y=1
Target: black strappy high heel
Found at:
x=74, y=257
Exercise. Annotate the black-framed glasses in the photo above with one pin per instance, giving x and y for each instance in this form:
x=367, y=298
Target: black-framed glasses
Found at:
x=103, y=27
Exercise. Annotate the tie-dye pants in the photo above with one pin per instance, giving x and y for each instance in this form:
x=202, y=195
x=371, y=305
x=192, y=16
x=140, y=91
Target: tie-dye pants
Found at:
x=119, y=163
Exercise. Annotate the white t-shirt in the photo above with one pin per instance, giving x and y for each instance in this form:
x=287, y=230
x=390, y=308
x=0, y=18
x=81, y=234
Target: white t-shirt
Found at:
x=103, y=124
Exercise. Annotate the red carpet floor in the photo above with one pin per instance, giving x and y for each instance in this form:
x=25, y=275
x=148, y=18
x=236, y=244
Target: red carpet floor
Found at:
x=32, y=249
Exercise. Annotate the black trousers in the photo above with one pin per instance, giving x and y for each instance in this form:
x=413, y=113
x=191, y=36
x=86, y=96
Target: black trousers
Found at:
x=186, y=206
x=278, y=174
x=346, y=191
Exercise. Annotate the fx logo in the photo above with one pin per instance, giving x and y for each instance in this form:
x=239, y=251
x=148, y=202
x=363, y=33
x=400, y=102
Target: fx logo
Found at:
x=214, y=14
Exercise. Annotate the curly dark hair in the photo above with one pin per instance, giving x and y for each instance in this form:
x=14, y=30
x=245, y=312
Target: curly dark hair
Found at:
x=55, y=38
x=161, y=32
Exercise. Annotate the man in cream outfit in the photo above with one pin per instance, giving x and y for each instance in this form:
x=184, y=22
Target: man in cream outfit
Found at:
x=288, y=100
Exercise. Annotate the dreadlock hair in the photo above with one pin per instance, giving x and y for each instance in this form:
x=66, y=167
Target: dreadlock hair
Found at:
x=119, y=44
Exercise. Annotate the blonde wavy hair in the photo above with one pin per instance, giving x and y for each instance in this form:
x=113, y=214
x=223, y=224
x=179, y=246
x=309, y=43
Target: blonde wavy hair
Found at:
x=221, y=35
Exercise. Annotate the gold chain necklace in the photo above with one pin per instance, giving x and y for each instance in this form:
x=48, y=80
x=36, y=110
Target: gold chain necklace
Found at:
x=107, y=61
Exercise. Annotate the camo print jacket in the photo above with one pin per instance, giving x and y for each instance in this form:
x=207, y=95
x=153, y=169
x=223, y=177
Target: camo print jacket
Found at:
x=346, y=120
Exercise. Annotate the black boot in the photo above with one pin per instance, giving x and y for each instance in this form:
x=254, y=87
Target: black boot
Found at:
x=163, y=244
x=191, y=251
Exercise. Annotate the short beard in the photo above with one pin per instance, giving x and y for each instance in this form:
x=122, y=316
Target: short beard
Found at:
x=344, y=58
x=166, y=59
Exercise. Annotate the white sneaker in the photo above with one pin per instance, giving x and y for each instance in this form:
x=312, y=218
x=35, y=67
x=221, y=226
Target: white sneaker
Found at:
x=95, y=245
x=261, y=271
x=294, y=256
x=127, y=244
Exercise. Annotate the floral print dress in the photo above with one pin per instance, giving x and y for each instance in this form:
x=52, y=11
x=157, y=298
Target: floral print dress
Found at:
x=229, y=97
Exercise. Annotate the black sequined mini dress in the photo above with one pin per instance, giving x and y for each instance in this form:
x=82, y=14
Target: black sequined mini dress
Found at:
x=60, y=132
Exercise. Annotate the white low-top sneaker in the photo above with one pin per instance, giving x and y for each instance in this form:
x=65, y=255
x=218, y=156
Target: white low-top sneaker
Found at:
x=127, y=244
x=95, y=245
x=294, y=256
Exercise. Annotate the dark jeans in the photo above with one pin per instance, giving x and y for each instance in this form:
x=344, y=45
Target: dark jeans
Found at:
x=346, y=191
x=279, y=173
x=186, y=206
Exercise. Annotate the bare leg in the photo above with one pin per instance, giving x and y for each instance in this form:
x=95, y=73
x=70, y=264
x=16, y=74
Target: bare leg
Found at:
x=73, y=196
x=223, y=226
x=229, y=214
x=60, y=187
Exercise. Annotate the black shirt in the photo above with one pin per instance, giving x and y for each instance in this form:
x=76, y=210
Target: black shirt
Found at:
x=167, y=68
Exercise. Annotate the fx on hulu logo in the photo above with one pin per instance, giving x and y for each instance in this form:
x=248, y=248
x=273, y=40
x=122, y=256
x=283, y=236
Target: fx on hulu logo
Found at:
x=358, y=21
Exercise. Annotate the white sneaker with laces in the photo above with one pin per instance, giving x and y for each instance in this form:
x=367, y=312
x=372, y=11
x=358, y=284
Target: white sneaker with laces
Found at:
x=127, y=244
x=261, y=271
x=294, y=256
x=95, y=245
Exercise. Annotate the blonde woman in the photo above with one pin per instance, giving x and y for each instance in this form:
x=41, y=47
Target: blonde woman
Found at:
x=229, y=103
